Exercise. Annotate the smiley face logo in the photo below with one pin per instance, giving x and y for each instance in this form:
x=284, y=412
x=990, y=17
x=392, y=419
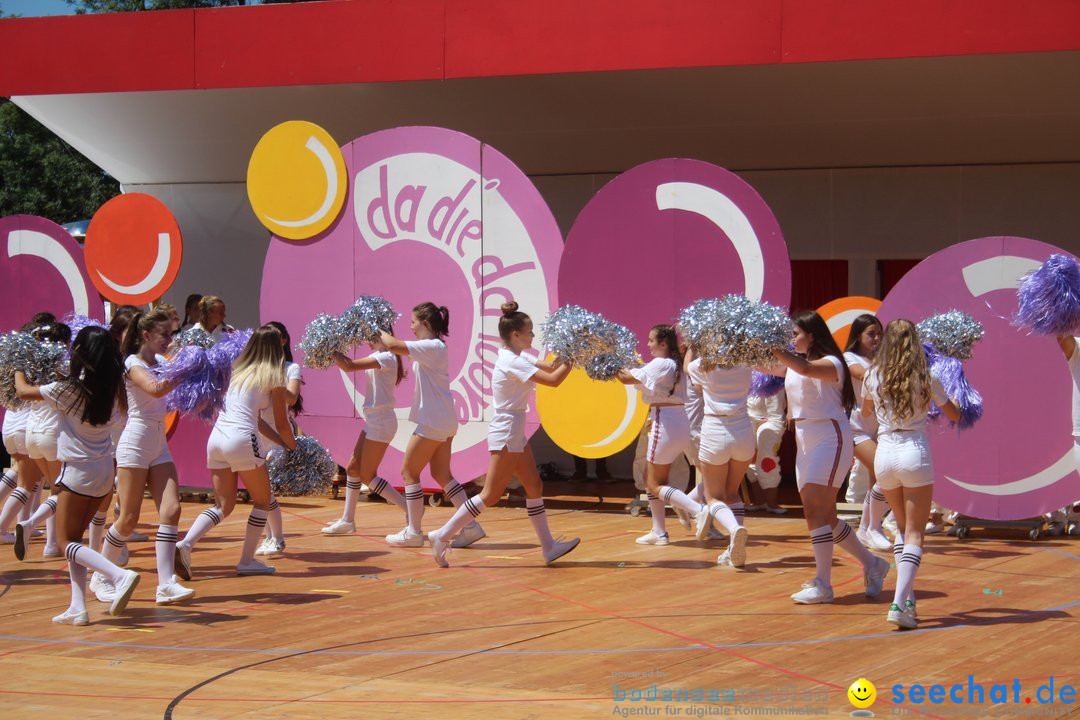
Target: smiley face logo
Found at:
x=862, y=693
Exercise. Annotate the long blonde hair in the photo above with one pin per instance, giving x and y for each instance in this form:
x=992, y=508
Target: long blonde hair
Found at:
x=261, y=365
x=903, y=377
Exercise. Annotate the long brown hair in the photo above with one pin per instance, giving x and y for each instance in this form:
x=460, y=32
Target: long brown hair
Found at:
x=903, y=376
x=137, y=325
x=437, y=317
x=262, y=362
x=666, y=335
x=822, y=344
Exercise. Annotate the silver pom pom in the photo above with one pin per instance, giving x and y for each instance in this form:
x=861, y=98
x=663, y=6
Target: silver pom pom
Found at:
x=196, y=336
x=587, y=340
x=307, y=470
x=41, y=362
x=362, y=322
x=322, y=339
x=734, y=330
x=951, y=333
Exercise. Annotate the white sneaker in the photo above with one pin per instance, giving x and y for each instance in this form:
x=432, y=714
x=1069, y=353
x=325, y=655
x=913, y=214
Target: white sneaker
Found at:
x=909, y=607
x=889, y=523
x=124, y=590
x=933, y=528
x=103, y=589
x=182, y=561
x=173, y=592
x=684, y=517
x=560, y=548
x=901, y=618
x=468, y=536
x=813, y=593
x=652, y=538
x=875, y=576
x=22, y=540
x=703, y=522
x=137, y=536
x=270, y=546
x=50, y=552
x=862, y=536
x=724, y=558
x=255, y=568
x=878, y=541
x=406, y=538
x=7, y=538
x=737, y=548
x=439, y=548
x=339, y=527
x=72, y=618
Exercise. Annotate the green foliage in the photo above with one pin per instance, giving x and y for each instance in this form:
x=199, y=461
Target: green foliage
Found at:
x=40, y=174
x=109, y=6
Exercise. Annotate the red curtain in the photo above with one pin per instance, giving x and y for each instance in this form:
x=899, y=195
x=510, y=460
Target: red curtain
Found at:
x=816, y=282
x=890, y=272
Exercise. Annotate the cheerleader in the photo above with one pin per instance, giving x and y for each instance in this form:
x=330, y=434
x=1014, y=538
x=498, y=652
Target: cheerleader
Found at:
x=820, y=397
x=863, y=342
x=512, y=383
x=898, y=390
x=727, y=447
x=768, y=416
x=211, y=311
x=436, y=423
x=42, y=431
x=662, y=384
x=27, y=475
x=143, y=460
x=191, y=311
x=274, y=544
x=87, y=400
x=233, y=450
x=383, y=371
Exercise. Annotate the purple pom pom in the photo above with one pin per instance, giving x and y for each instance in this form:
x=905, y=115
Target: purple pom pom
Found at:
x=204, y=375
x=763, y=385
x=1049, y=298
x=77, y=322
x=950, y=373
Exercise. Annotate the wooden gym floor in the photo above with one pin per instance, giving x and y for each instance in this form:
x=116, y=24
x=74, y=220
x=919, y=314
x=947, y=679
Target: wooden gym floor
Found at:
x=352, y=628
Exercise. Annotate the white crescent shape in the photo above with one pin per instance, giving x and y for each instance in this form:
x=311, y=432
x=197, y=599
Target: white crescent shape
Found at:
x=997, y=273
x=1044, y=478
x=31, y=242
x=845, y=318
x=726, y=215
x=327, y=161
x=156, y=274
x=631, y=405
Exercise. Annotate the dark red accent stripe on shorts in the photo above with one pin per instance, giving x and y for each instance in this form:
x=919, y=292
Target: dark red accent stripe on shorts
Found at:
x=656, y=435
x=839, y=447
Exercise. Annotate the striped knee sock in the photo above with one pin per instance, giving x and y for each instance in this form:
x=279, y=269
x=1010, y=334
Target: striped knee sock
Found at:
x=658, y=511
x=352, y=495
x=35, y=500
x=846, y=539
x=414, y=506
x=864, y=519
x=538, y=518
x=255, y=524
x=455, y=493
x=97, y=530
x=14, y=504
x=821, y=539
x=114, y=544
x=723, y=515
x=738, y=509
x=93, y=560
x=878, y=505
x=697, y=494
x=77, y=573
x=45, y=511
x=275, y=529
x=906, y=569
x=8, y=482
x=388, y=492
x=207, y=519
x=165, y=550
x=465, y=515
x=677, y=498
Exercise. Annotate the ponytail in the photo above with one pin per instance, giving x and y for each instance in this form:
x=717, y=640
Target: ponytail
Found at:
x=666, y=335
x=437, y=317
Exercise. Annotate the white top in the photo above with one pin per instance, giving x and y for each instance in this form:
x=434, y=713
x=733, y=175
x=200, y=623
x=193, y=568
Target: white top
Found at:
x=511, y=381
x=15, y=420
x=813, y=399
x=292, y=372
x=724, y=389
x=865, y=425
x=381, y=381
x=433, y=405
x=240, y=415
x=657, y=380
x=767, y=409
x=77, y=441
x=886, y=418
x=1074, y=368
x=43, y=418
x=142, y=406
x=695, y=402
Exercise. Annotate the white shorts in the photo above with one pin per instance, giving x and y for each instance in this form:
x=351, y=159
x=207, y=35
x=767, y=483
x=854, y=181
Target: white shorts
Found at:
x=507, y=430
x=91, y=479
x=430, y=432
x=823, y=452
x=903, y=460
x=859, y=437
x=142, y=445
x=380, y=425
x=15, y=443
x=237, y=453
x=41, y=446
x=727, y=437
x=670, y=434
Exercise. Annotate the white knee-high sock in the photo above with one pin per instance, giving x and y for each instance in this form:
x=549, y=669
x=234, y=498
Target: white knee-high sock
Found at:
x=821, y=539
x=864, y=519
x=697, y=494
x=8, y=482
x=538, y=518
x=15, y=503
x=414, y=506
x=45, y=511
x=114, y=544
x=255, y=524
x=97, y=531
x=274, y=526
x=723, y=515
x=658, y=511
x=466, y=514
x=35, y=500
x=165, y=550
x=677, y=498
x=90, y=558
x=388, y=492
x=905, y=573
x=208, y=518
x=77, y=573
x=738, y=509
x=878, y=505
x=352, y=495
x=455, y=493
x=897, y=551
x=846, y=539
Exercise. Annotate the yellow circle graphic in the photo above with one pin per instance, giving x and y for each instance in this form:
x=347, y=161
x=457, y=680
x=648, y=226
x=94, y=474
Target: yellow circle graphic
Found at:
x=862, y=693
x=296, y=180
x=588, y=418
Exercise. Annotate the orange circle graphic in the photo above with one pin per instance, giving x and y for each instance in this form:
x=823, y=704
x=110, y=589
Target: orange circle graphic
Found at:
x=840, y=313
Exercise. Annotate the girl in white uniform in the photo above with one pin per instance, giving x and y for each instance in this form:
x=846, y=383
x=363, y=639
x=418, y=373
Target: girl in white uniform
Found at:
x=436, y=423
x=28, y=476
x=212, y=317
x=143, y=460
x=233, y=450
x=898, y=391
x=820, y=397
x=769, y=417
x=512, y=383
x=863, y=342
x=88, y=400
x=662, y=385
x=383, y=371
